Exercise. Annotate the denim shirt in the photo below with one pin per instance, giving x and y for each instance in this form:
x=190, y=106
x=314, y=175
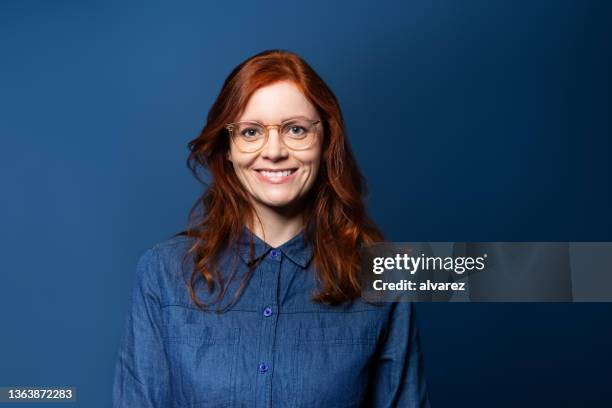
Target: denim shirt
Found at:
x=272, y=348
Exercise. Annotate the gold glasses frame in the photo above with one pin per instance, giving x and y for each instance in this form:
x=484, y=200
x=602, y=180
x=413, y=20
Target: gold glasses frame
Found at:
x=231, y=126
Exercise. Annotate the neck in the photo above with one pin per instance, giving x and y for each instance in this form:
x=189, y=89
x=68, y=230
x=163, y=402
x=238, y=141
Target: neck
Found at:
x=275, y=226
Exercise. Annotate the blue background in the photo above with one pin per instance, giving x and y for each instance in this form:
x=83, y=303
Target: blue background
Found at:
x=472, y=120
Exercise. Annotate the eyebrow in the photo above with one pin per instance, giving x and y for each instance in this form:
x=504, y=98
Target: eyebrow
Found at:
x=283, y=121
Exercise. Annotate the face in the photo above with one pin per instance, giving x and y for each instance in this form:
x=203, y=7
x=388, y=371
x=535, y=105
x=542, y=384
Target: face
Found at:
x=276, y=176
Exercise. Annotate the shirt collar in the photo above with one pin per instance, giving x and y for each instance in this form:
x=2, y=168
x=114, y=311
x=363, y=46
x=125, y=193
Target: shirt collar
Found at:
x=296, y=249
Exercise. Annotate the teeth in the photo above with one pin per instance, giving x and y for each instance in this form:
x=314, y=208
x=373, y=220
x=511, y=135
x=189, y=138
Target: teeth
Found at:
x=276, y=174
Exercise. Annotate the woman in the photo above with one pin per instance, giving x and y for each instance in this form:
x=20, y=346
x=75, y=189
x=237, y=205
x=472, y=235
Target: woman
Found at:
x=258, y=303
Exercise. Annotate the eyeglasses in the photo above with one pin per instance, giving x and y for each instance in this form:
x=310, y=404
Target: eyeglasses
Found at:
x=251, y=136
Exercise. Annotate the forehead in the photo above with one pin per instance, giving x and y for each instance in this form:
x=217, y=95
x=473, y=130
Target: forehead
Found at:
x=277, y=102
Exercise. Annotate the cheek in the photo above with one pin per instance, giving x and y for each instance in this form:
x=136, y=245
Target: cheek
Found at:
x=240, y=161
x=311, y=158
x=314, y=162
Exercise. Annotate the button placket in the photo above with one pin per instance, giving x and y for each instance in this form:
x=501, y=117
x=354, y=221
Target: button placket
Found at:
x=271, y=266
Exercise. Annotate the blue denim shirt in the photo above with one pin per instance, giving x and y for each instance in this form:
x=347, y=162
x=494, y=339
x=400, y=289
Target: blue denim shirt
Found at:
x=272, y=348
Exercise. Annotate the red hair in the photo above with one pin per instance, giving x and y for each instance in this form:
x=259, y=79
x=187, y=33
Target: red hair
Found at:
x=334, y=217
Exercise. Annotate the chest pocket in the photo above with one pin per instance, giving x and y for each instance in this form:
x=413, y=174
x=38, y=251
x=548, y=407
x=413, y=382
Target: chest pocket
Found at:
x=202, y=363
x=333, y=365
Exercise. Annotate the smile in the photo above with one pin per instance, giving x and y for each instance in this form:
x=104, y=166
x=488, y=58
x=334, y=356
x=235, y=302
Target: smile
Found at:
x=275, y=176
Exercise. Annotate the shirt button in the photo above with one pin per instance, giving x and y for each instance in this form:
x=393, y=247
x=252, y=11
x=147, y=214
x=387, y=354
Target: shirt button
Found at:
x=274, y=253
x=267, y=312
x=263, y=367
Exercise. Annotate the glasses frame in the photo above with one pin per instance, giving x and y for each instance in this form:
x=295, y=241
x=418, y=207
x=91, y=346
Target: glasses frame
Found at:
x=230, y=128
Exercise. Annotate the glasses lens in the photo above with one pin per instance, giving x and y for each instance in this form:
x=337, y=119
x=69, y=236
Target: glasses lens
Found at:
x=249, y=136
x=299, y=134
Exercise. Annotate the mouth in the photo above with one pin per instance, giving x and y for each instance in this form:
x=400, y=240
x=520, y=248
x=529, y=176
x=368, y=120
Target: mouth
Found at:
x=276, y=176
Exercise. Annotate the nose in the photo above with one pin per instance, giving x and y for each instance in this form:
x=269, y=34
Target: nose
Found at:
x=274, y=149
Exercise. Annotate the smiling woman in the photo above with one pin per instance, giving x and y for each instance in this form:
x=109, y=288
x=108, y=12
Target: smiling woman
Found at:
x=277, y=168
x=258, y=302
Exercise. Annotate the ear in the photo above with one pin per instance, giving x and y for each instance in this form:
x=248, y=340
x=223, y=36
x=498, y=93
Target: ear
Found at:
x=228, y=156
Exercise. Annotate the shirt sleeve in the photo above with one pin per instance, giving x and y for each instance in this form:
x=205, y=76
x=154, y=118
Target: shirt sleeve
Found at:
x=141, y=372
x=398, y=378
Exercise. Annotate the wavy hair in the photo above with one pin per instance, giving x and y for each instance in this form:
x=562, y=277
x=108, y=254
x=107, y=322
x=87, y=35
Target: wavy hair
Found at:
x=334, y=217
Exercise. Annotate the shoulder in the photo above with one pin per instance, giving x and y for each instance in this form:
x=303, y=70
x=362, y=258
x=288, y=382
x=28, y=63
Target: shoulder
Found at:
x=164, y=261
x=171, y=249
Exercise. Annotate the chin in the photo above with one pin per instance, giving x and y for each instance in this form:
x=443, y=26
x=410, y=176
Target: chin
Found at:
x=277, y=202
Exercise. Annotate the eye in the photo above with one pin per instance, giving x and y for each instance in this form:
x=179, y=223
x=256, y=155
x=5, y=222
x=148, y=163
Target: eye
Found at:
x=250, y=132
x=295, y=130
